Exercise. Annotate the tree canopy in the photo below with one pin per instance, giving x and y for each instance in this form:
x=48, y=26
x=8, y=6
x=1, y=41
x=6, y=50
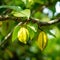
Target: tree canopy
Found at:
x=29, y=30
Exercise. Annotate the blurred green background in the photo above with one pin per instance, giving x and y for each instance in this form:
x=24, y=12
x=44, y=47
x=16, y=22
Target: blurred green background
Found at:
x=45, y=10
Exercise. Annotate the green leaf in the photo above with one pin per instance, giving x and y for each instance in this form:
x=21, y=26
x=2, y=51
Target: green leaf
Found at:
x=15, y=33
x=34, y=27
x=16, y=8
x=1, y=36
x=23, y=13
x=25, y=1
x=31, y=33
x=51, y=34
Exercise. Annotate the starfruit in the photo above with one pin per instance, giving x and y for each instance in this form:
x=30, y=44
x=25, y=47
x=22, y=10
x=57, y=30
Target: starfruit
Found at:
x=23, y=35
x=42, y=40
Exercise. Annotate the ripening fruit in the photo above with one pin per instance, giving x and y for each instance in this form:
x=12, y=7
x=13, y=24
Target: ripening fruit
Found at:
x=42, y=40
x=23, y=35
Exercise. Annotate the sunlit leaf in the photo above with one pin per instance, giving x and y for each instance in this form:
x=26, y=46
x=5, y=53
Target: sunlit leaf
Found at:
x=25, y=1
x=34, y=27
x=23, y=13
x=42, y=40
x=31, y=33
x=52, y=34
x=15, y=33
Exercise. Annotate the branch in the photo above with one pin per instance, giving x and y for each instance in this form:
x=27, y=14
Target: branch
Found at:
x=6, y=17
x=3, y=18
x=45, y=23
x=6, y=37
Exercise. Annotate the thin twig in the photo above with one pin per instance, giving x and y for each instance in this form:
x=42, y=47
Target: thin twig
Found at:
x=9, y=34
x=6, y=37
x=6, y=17
x=45, y=23
x=3, y=18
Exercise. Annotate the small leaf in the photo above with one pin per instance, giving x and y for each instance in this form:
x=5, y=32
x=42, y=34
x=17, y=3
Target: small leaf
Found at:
x=25, y=1
x=42, y=40
x=31, y=33
x=15, y=33
x=23, y=13
x=51, y=33
x=34, y=27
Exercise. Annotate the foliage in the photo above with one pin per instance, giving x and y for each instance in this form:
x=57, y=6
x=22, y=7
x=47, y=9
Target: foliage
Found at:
x=29, y=40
